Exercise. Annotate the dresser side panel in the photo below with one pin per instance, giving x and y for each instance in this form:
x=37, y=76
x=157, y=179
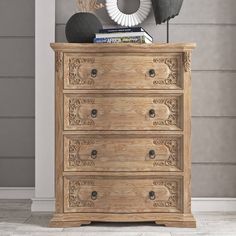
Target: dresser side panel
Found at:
x=58, y=131
x=187, y=131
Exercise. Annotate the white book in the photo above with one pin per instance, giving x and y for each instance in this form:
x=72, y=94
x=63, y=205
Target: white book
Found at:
x=126, y=34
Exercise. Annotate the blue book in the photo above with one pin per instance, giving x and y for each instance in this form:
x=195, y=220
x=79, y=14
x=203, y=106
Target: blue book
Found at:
x=137, y=39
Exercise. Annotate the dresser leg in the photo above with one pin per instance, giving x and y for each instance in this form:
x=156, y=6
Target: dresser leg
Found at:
x=65, y=224
x=177, y=224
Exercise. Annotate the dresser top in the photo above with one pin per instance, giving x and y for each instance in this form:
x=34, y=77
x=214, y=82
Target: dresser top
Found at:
x=129, y=47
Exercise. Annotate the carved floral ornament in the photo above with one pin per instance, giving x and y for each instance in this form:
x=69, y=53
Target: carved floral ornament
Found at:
x=59, y=60
x=74, y=114
x=76, y=77
x=172, y=187
x=172, y=104
x=187, y=61
x=172, y=64
x=172, y=145
x=74, y=196
x=75, y=146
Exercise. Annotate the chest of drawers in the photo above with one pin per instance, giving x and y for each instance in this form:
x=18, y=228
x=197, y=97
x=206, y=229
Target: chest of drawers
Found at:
x=123, y=129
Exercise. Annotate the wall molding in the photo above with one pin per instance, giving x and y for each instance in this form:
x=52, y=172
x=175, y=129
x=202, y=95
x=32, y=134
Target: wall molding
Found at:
x=44, y=100
x=213, y=204
x=17, y=192
x=198, y=205
x=43, y=204
x=48, y=204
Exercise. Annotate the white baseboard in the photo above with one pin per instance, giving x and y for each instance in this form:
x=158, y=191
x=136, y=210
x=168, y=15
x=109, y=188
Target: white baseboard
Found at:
x=48, y=204
x=213, y=204
x=16, y=193
x=198, y=205
x=43, y=205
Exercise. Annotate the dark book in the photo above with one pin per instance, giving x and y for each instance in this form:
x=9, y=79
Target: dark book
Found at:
x=121, y=30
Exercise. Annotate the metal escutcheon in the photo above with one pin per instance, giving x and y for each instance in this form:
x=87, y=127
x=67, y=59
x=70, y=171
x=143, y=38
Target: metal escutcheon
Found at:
x=94, y=73
x=152, y=154
x=152, y=113
x=94, y=154
x=152, y=195
x=152, y=73
x=94, y=195
x=94, y=113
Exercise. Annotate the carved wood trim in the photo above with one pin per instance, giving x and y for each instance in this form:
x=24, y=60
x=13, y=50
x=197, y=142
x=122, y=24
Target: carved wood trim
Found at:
x=172, y=64
x=74, y=114
x=172, y=104
x=173, y=145
x=173, y=188
x=75, y=75
x=187, y=61
x=75, y=146
x=58, y=60
x=74, y=189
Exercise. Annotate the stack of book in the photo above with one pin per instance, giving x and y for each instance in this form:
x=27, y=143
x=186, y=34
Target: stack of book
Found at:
x=123, y=35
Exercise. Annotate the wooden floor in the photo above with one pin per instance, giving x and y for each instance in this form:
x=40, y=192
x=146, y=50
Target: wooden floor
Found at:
x=17, y=220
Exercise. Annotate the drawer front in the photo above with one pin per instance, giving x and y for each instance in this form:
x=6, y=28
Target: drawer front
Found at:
x=122, y=195
x=122, y=112
x=130, y=71
x=122, y=153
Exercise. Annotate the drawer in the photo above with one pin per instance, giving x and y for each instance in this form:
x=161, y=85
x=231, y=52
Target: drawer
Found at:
x=123, y=194
x=123, y=153
x=129, y=71
x=123, y=112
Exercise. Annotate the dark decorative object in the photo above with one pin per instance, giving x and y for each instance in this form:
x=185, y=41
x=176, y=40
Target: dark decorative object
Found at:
x=82, y=26
x=164, y=10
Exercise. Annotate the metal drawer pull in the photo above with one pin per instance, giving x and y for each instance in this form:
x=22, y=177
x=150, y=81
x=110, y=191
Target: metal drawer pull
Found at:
x=94, y=73
x=94, y=154
x=152, y=154
x=152, y=195
x=94, y=113
x=94, y=195
x=152, y=113
x=152, y=73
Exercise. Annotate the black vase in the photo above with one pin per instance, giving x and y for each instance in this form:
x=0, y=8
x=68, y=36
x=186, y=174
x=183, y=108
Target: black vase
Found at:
x=81, y=27
x=166, y=9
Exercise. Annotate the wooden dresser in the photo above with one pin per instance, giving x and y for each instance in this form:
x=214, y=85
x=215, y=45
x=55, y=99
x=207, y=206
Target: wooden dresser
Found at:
x=123, y=127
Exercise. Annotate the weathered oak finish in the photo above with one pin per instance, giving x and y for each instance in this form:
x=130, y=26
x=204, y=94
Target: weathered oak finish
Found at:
x=123, y=195
x=139, y=71
x=123, y=112
x=123, y=153
x=123, y=150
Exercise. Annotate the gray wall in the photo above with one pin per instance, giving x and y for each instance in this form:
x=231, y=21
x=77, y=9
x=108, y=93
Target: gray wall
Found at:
x=212, y=25
x=16, y=93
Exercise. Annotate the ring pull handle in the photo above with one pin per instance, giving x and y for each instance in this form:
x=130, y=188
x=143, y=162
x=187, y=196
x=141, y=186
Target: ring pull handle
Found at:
x=152, y=195
x=94, y=195
x=94, y=73
x=152, y=73
x=152, y=113
x=152, y=154
x=94, y=113
x=94, y=154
